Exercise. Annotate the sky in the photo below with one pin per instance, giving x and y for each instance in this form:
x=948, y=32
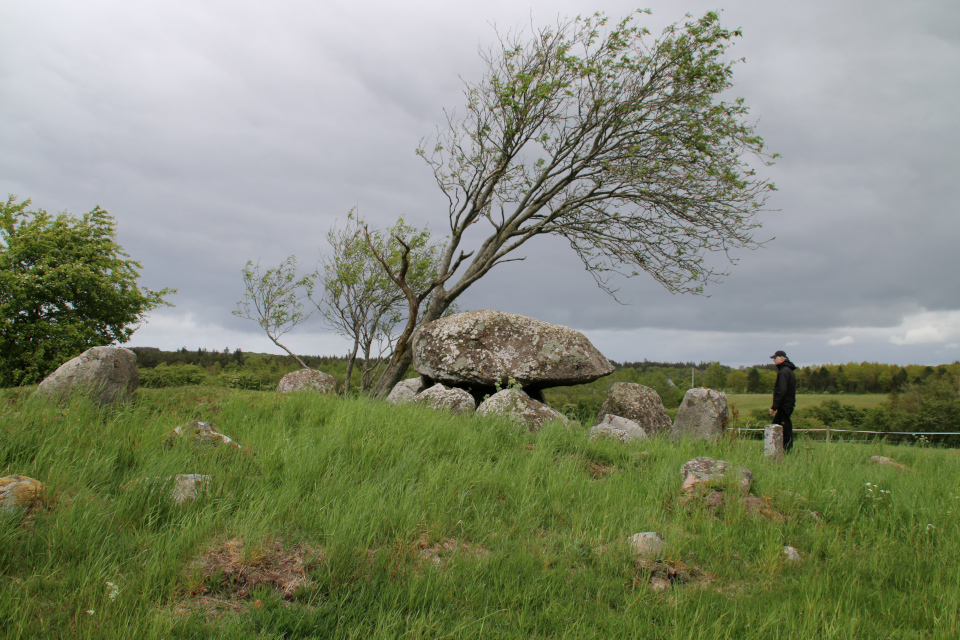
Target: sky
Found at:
x=221, y=132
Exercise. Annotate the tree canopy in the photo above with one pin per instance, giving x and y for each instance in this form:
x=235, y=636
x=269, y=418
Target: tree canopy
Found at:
x=65, y=286
x=619, y=143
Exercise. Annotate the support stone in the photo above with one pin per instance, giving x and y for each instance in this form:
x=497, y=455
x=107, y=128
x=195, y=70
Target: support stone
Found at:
x=773, y=442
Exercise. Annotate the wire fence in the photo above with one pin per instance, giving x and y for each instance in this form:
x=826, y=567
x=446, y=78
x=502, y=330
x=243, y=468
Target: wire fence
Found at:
x=829, y=432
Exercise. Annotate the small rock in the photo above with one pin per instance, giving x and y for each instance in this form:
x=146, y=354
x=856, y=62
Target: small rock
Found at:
x=616, y=427
x=307, y=380
x=707, y=471
x=203, y=433
x=883, y=460
x=19, y=492
x=439, y=397
x=649, y=543
x=792, y=554
x=816, y=515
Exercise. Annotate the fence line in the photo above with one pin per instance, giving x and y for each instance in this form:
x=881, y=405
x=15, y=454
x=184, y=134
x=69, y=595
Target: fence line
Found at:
x=884, y=433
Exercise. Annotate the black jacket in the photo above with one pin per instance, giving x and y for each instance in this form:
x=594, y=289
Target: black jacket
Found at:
x=785, y=389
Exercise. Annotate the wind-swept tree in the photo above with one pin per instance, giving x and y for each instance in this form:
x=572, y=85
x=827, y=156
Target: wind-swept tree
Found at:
x=619, y=143
x=273, y=297
x=359, y=300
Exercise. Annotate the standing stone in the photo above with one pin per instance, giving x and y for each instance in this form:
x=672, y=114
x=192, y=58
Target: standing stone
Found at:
x=517, y=406
x=773, y=442
x=106, y=374
x=702, y=415
x=637, y=403
x=406, y=390
x=616, y=427
x=307, y=380
x=439, y=397
x=19, y=492
x=482, y=349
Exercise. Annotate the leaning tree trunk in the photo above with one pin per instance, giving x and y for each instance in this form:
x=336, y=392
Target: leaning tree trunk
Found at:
x=402, y=356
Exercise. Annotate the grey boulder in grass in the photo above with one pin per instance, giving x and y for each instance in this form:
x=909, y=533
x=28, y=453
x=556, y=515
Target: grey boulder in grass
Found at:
x=517, y=406
x=307, y=380
x=619, y=428
x=19, y=492
x=106, y=374
x=638, y=403
x=454, y=400
x=702, y=415
x=490, y=348
x=406, y=390
x=708, y=473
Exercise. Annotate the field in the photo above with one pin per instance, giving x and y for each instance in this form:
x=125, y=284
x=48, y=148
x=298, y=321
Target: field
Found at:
x=350, y=518
x=747, y=402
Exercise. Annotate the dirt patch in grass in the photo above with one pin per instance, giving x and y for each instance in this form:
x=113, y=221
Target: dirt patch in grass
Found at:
x=599, y=470
x=662, y=575
x=227, y=574
x=442, y=551
x=715, y=501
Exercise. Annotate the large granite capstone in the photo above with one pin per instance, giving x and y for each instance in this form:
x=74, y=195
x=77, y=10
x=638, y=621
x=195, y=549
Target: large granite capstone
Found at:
x=490, y=348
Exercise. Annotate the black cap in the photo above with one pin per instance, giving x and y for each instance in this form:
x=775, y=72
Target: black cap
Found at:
x=778, y=354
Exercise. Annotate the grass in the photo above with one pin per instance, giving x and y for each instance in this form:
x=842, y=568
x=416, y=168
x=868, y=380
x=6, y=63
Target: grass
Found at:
x=357, y=519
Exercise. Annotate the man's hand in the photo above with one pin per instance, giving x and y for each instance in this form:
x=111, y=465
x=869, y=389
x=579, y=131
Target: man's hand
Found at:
x=772, y=412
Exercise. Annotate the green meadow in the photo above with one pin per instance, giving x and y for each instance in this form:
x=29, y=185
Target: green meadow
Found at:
x=352, y=518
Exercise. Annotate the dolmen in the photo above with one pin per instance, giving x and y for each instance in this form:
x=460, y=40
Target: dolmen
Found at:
x=487, y=351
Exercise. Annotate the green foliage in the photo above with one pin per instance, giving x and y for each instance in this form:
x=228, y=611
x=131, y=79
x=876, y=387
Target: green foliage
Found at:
x=436, y=526
x=65, y=286
x=178, y=375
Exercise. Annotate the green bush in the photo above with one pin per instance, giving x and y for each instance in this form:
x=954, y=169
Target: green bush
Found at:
x=178, y=375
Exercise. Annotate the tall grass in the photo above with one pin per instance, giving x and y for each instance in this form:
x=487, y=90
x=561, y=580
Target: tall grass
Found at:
x=414, y=523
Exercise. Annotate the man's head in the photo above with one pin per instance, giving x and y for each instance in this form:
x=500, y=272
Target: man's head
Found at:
x=778, y=357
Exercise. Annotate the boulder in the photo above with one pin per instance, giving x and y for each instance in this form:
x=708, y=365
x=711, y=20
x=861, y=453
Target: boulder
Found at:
x=406, y=390
x=637, y=403
x=517, y=406
x=202, y=434
x=483, y=349
x=19, y=492
x=702, y=415
x=708, y=473
x=616, y=427
x=106, y=374
x=439, y=397
x=307, y=380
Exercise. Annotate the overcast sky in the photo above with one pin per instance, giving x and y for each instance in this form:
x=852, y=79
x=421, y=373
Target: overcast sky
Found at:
x=217, y=132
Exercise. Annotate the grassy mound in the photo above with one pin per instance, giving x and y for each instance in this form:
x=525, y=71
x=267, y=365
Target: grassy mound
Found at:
x=348, y=518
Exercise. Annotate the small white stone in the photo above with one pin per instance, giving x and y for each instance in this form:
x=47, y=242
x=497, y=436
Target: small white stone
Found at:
x=791, y=553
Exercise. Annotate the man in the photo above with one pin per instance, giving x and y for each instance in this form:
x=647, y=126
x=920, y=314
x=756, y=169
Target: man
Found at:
x=784, y=396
